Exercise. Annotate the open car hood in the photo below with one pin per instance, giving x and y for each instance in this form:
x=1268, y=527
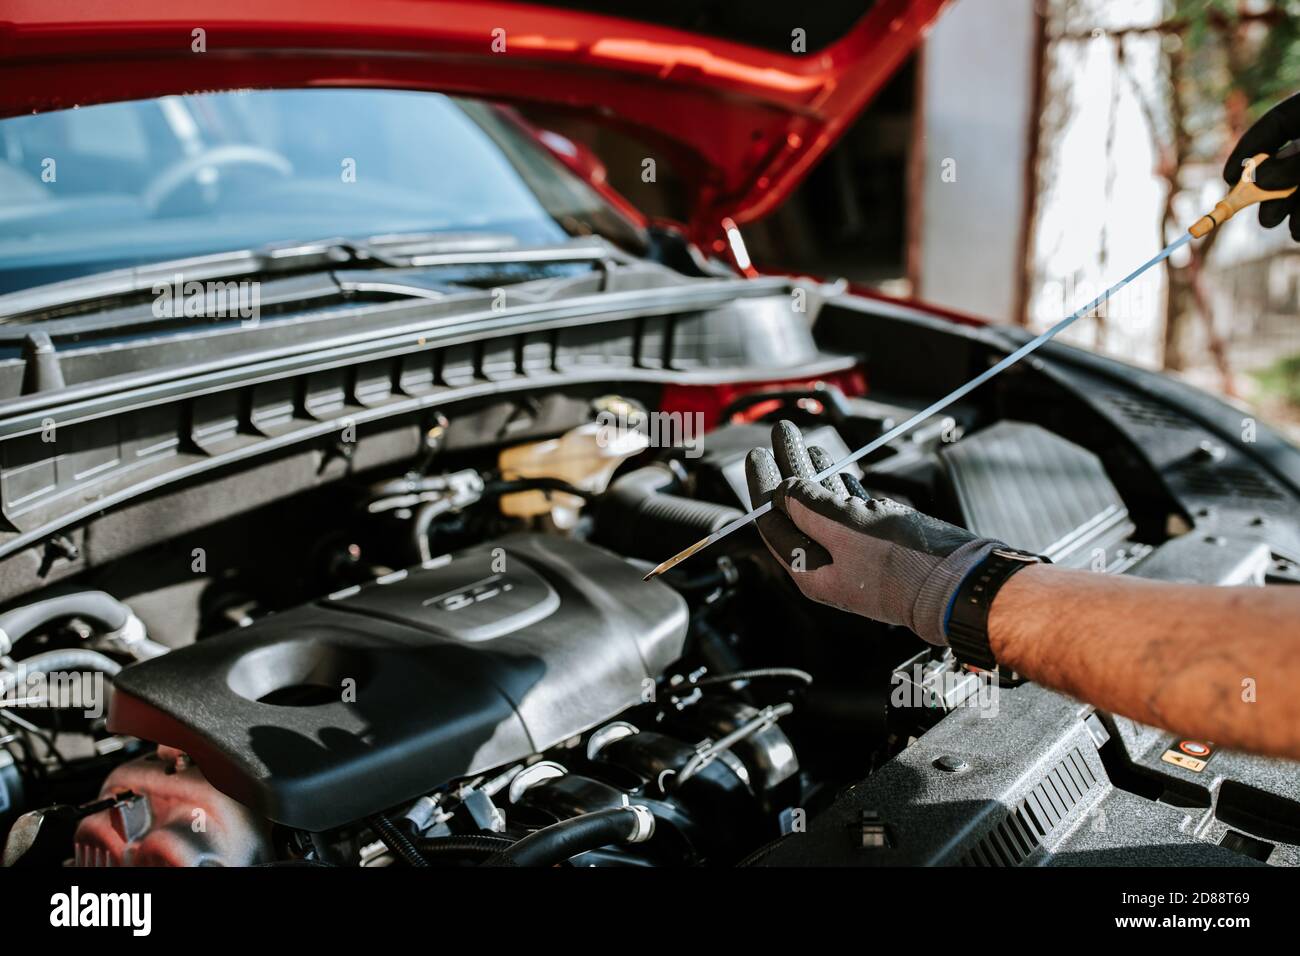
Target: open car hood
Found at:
x=744, y=123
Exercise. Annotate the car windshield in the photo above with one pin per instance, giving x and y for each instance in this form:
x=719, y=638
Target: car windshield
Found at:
x=123, y=184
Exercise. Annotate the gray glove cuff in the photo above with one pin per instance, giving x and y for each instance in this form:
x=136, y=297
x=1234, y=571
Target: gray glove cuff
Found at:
x=930, y=611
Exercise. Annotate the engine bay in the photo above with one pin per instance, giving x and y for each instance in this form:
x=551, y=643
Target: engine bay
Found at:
x=451, y=659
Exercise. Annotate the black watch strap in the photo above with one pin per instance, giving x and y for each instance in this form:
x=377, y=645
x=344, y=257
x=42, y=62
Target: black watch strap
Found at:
x=968, y=625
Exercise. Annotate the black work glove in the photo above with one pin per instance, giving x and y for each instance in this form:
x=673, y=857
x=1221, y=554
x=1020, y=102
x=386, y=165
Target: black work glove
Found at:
x=1273, y=131
x=871, y=556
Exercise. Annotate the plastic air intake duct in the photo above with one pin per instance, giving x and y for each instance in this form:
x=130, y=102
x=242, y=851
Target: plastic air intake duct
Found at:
x=641, y=519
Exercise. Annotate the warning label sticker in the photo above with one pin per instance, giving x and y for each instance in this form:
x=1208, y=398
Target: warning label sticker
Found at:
x=1191, y=755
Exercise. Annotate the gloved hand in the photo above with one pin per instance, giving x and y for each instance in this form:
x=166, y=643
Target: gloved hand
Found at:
x=1273, y=130
x=871, y=556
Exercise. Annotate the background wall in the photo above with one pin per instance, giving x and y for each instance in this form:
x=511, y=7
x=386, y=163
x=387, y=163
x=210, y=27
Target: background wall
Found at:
x=976, y=117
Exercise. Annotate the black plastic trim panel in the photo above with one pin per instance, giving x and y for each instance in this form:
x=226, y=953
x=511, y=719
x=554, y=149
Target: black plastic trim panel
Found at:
x=83, y=457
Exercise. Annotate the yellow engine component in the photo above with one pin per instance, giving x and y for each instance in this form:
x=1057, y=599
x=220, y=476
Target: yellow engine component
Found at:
x=585, y=457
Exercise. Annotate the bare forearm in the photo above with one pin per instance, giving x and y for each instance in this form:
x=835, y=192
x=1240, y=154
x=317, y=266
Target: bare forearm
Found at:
x=1220, y=664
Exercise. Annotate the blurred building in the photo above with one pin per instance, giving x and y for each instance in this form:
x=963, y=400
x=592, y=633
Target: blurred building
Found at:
x=1013, y=169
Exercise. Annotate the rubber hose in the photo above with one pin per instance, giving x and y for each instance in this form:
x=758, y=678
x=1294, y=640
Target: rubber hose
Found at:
x=70, y=659
x=420, y=526
x=639, y=518
x=293, y=863
x=407, y=486
x=103, y=610
x=396, y=841
x=755, y=673
x=763, y=852
x=850, y=711
x=480, y=844
x=507, y=486
x=568, y=838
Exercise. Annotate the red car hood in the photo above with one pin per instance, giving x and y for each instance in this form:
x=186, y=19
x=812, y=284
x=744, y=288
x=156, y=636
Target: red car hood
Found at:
x=744, y=124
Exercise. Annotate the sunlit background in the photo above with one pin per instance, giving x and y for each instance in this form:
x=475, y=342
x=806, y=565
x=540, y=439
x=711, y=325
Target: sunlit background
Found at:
x=1032, y=152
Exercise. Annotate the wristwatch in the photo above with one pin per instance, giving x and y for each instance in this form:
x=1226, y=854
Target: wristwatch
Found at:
x=968, y=624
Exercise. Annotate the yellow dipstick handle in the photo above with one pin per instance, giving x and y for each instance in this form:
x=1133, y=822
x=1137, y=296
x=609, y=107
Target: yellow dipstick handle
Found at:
x=1244, y=194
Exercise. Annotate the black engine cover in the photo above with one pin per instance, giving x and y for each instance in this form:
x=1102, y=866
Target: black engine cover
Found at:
x=321, y=715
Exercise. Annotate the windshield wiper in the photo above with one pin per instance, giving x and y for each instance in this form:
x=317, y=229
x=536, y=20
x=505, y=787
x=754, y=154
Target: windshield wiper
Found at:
x=418, y=251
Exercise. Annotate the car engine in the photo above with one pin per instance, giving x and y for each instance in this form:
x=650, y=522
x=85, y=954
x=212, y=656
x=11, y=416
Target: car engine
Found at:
x=438, y=713
x=461, y=665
